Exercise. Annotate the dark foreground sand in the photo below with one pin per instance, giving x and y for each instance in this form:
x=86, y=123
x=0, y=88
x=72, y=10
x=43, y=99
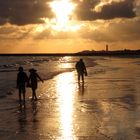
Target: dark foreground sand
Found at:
x=103, y=108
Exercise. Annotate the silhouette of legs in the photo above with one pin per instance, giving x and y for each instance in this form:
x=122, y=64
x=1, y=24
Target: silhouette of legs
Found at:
x=19, y=96
x=34, y=97
x=22, y=91
x=80, y=76
x=24, y=97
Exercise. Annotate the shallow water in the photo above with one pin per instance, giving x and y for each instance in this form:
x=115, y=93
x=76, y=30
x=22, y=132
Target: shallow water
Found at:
x=105, y=107
x=47, y=67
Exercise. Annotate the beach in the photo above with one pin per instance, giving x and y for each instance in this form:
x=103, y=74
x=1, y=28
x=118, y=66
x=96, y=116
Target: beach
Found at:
x=105, y=107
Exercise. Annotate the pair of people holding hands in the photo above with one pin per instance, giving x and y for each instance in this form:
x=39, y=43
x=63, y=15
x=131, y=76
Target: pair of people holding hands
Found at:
x=24, y=81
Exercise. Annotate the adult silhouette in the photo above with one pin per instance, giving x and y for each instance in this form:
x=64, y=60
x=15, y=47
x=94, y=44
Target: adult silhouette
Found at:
x=22, y=79
x=81, y=70
x=33, y=81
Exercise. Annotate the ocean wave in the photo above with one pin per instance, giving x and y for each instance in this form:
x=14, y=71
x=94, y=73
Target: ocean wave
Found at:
x=50, y=75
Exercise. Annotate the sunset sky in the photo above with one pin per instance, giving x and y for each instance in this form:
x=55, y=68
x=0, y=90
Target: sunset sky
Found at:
x=63, y=26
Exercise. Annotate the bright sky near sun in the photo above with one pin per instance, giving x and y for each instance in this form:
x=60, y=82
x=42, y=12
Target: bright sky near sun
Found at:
x=53, y=26
x=62, y=9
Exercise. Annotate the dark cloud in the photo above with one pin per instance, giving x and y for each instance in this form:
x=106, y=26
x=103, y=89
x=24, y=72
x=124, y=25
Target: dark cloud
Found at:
x=85, y=10
x=2, y=21
x=23, y=12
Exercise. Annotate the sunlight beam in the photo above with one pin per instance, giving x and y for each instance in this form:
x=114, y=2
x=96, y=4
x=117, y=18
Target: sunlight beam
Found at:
x=63, y=10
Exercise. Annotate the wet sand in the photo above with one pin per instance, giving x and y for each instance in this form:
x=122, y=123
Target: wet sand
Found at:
x=106, y=106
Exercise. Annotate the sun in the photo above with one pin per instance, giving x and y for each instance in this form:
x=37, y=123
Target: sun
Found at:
x=63, y=10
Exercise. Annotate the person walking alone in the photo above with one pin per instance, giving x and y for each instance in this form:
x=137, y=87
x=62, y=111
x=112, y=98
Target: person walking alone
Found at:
x=81, y=70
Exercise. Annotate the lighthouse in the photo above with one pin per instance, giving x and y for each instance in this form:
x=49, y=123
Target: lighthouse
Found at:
x=107, y=48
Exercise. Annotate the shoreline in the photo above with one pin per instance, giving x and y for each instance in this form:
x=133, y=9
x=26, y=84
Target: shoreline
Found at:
x=115, y=53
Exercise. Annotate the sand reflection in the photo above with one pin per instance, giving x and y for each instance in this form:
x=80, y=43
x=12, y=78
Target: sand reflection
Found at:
x=65, y=90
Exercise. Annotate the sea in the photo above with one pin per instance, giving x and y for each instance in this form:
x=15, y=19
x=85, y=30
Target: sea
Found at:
x=46, y=66
x=50, y=66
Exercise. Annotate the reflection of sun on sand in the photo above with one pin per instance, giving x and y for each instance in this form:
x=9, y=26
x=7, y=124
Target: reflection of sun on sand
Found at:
x=65, y=90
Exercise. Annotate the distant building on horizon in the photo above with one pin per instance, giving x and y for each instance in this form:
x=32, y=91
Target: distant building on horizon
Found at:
x=107, y=48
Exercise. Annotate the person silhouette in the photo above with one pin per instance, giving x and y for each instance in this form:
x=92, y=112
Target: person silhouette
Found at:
x=33, y=81
x=81, y=70
x=22, y=79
